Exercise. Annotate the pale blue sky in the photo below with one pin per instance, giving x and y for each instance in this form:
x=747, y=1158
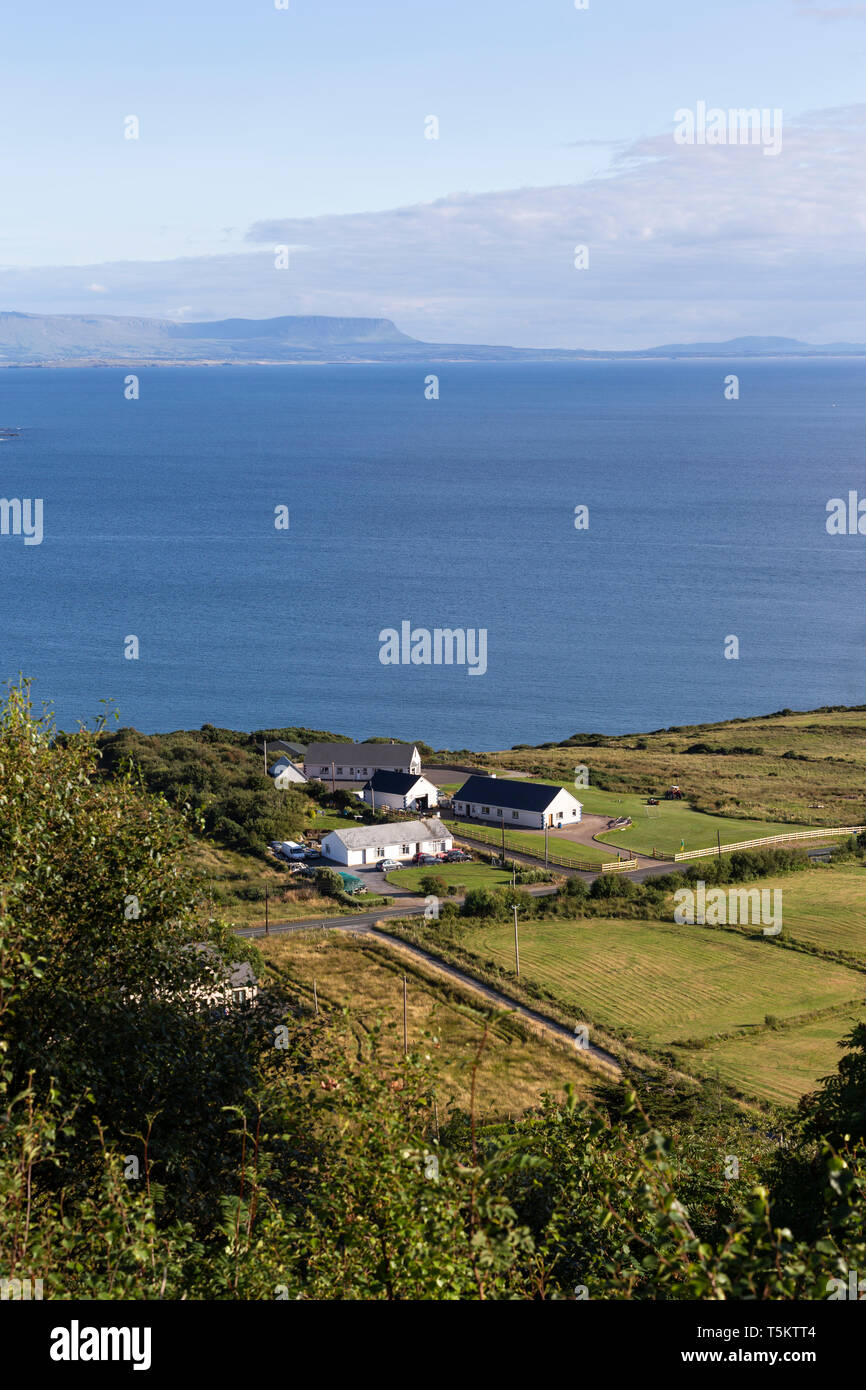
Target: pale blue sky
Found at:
x=253, y=115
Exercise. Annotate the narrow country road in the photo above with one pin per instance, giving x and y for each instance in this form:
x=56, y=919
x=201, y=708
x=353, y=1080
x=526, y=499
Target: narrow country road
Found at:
x=364, y=924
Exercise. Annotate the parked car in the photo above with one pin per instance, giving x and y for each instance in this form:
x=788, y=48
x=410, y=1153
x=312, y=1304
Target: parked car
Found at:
x=313, y=853
x=457, y=856
x=386, y=864
x=429, y=858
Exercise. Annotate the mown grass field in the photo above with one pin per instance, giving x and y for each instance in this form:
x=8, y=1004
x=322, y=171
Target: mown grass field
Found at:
x=516, y=1068
x=807, y=768
x=778, y=1065
x=825, y=907
x=532, y=842
x=470, y=875
x=665, y=983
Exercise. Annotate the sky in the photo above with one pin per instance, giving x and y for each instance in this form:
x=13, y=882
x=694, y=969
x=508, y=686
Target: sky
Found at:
x=305, y=126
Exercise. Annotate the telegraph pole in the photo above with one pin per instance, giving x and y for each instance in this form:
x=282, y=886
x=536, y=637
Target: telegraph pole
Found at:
x=267, y=924
x=405, y=1021
x=516, y=947
x=266, y=755
x=316, y=998
x=546, y=829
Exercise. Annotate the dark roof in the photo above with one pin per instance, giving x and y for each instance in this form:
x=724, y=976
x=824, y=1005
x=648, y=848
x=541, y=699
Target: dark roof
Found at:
x=499, y=791
x=360, y=754
x=399, y=783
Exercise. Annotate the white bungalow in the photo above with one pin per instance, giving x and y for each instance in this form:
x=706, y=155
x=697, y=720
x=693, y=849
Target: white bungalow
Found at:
x=525, y=804
x=367, y=844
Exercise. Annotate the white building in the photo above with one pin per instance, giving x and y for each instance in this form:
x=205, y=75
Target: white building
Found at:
x=400, y=791
x=286, y=774
x=518, y=804
x=357, y=762
x=367, y=844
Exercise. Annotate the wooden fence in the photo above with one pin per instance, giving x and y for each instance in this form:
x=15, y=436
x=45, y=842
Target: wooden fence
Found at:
x=492, y=837
x=769, y=841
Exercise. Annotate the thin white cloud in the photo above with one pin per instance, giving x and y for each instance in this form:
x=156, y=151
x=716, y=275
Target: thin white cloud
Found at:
x=684, y=242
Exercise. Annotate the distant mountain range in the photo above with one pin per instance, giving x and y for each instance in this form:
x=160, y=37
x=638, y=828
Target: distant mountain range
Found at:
x=52, y=340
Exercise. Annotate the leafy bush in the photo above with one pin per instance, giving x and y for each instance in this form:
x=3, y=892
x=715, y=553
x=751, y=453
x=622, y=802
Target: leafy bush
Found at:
x=328, y=882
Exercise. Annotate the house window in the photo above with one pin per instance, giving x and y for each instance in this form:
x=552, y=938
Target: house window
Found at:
x=404, y=849
x=380, y=850
x=339, y=769
x=499, y=812
x=485, y=810
x=515, y=815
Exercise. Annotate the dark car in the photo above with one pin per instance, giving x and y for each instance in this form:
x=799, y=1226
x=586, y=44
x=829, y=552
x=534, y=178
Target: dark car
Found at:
x=457, y=856
x=427, y=859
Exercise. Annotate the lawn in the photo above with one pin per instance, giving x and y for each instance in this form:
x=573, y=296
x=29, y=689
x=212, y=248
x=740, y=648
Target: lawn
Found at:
x=665, y=983
x=331, y=821
x=516, y=1068
x=532, y=842
x=470, y=875
x=665, y=826
x=778, y=1065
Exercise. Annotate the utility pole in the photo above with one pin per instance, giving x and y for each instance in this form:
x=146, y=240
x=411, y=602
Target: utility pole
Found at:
x=405, y=1021
x=267, y=923
x=333, y=780
x=266, y=755
x=316, y=998
x=503, y=844
x=546, y=829
x=719, y=842
x=516, y=947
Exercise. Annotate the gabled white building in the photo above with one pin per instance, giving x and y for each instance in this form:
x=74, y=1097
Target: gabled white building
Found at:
x=367, y=844
x=357, y=762
x=286, y=774
x=518, y=804
x=400, y=791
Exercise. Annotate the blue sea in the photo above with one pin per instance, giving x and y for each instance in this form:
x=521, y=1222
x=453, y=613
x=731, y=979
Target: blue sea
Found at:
x=706, y=521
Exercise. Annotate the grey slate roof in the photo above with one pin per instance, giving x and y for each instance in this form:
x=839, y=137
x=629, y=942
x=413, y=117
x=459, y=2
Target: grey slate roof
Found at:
x=360, y=754
x=515, y=796
x=407, y=832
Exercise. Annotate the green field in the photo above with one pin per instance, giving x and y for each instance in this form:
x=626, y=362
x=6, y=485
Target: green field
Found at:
x=532, y=842
x=470, y=875
x=665, y=983
x=778, y=1066
x=825, y=907
x=663, y=827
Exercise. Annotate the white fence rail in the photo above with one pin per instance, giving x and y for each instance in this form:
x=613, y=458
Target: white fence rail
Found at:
x=768, y=841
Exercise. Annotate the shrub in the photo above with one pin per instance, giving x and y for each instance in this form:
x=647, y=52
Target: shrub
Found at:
x=434, y=884
x=328, y=882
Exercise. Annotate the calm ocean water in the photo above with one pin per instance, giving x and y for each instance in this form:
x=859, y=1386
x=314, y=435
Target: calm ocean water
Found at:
x=707, y=518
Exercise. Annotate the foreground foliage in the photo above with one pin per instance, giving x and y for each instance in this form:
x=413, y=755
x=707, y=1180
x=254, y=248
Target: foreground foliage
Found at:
x=153, y=1146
